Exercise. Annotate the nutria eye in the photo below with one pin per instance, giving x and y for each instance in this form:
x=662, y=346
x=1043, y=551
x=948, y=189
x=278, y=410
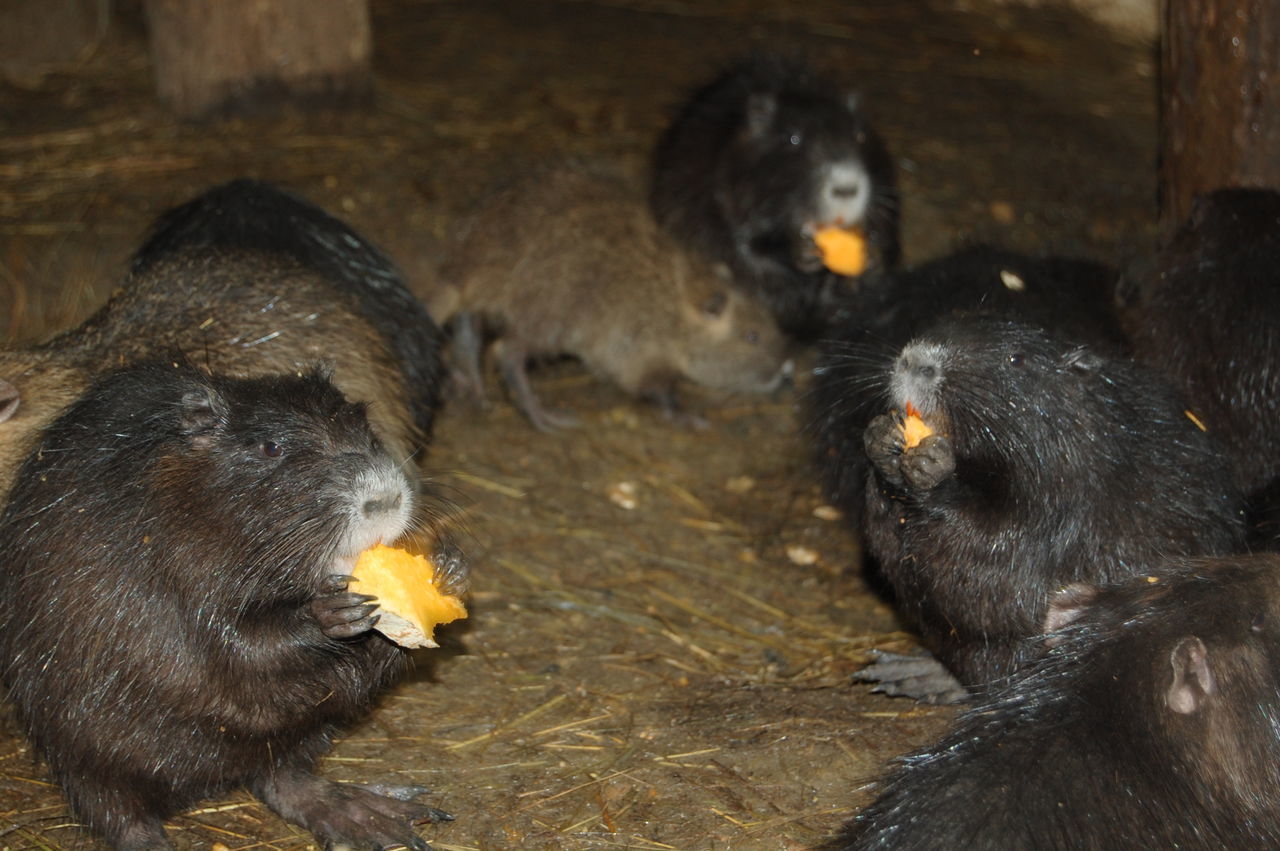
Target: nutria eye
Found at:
x=1259, y=621
x=272, y=450
x=1015, y=360
x=751, y=337
x=795, y=139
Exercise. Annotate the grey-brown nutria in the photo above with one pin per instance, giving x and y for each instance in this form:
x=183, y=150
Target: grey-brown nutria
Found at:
x=567, y=261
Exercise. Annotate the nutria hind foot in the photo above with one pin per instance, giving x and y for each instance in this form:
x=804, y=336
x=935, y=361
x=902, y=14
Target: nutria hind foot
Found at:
x=345, y=815
x=921, y=677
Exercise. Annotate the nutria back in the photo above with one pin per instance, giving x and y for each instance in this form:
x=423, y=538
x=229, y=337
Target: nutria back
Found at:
x=1149, y=723
x=249, y=281
x=251, y=314
x=1210, y=317
x=252, y=216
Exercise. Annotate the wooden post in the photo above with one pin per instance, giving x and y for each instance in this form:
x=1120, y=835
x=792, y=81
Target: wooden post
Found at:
x=1220, y=124
x=220, y=56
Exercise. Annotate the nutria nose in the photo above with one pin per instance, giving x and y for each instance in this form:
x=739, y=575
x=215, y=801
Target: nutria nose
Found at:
x=382, y=505
x=918, y=365
x=846, y=193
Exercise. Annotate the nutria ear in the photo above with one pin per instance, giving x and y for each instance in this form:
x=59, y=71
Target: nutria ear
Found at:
x=9, y=398
x=202, y=412
x=1066, y=607
x=1081, y=359
x=1193, y=681
x=761, y=108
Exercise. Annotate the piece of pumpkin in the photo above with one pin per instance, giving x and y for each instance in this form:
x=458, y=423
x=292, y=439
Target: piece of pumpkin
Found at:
x=844, y=251
x=409, y=603
x=914, y=428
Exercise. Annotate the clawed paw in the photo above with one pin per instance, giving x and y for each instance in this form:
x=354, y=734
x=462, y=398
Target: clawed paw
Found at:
x=921, y=677
x=342, y=613
x=929, y=463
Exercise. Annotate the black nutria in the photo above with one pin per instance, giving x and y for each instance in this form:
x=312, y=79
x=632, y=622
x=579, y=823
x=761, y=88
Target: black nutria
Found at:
x=174, y=613
x=1149, y=723
x=1210, y=317
x=568, y=261
x=1048, y=463
x=246, y=280
x=1073, y=296
x=755, y=163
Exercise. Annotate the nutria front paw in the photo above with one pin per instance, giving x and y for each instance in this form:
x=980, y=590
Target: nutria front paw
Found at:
x=342, y=613
x=807, y=257
x=453, y=568
x=929, y=463
x=883, y=441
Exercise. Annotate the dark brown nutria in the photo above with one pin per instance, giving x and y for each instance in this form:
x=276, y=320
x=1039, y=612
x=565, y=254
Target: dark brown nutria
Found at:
x=1210, y=317
x=246, y=280
x=1050, y=463
x=568, y=261
x=1149, y=723
x=755, y=163
x=174, y=613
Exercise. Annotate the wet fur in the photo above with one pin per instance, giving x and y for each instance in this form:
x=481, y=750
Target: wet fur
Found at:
x=1085, y=749
x=728, y=182
x=161, y=646
x=252, y=216
x=1070, y=466
x=1072, y=296
x=249, y=281
x=1210, y=317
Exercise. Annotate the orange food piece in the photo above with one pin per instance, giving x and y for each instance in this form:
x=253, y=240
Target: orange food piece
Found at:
x=914, y=429
x=409, y=603
x=844, y=251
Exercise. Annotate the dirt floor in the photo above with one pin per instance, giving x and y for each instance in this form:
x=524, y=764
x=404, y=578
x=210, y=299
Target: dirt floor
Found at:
x=671, y=672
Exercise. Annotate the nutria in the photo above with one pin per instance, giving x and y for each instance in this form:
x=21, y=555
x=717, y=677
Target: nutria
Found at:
x=1050, y=463
x=755, y=163
x=1073, y=296
x=174, y=613
x=1209, y=315
x=568, y=261
x=1149, y=723
x=246, y=280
